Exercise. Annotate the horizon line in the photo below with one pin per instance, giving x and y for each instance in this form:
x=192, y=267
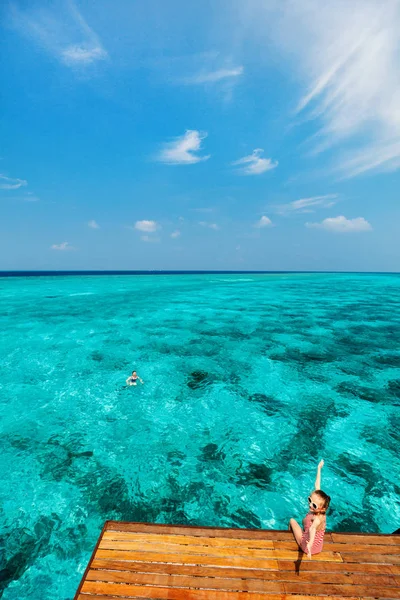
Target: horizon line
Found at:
x=44, y=272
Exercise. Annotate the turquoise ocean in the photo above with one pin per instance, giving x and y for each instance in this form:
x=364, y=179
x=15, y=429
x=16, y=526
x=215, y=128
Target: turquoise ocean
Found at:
x=249, y=380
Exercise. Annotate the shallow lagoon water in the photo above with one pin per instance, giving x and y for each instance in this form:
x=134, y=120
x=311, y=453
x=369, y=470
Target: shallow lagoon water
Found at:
x=249, y=381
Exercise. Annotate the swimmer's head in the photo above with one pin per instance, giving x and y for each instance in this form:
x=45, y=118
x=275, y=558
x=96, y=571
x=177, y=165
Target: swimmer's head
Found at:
x=133, y=372
x=319, y=502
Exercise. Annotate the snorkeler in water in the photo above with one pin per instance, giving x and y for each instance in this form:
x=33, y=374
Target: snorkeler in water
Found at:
x=311, y=539
x=133, y=379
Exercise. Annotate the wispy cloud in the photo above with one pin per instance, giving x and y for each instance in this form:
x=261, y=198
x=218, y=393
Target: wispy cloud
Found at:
x=93, y=224
x=11, y=183
x=342, y=225
x=62, y=246
x=148, y=226
x=175, y=234
x=255, y=164
x=209, y=225
x=347, y=56
x=212, y=71
x=79, y=55
x=182, y=150
x=263, y=222
x=381, y=156
x=214, y=76
x=150, y=238
x=307, y=205
x=31, y=197
x=63, y=32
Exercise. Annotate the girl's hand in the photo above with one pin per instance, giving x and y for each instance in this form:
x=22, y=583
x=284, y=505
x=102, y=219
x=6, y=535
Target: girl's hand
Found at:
x=320, y=464
x=308, y=550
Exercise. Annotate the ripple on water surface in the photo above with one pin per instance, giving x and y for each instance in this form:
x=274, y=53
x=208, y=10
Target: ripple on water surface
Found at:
x=248, y=382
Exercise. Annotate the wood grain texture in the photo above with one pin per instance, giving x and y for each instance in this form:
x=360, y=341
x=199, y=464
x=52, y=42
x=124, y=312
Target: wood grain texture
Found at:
x=367, y=538
x=187, y=540
x=252, y=534
x=199, y=595
x=202, y=571
x=233, y=596
x=190, y=559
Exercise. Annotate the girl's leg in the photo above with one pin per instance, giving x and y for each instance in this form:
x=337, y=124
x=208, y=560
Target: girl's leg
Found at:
x=297, y=530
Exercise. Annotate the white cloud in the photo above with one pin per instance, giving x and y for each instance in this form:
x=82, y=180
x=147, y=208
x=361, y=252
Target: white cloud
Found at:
x=342, y=225
x=11, y=183
x=263, y=222
x=93, y=224
x=346, y=55
x=64, y=33
x=214, y=76
x=175, y=234
x=149, y=226
x=307, y=205
x=62, y=246
x=182, y=150
x=255, y=165
x=79, y=55
x=209, y=225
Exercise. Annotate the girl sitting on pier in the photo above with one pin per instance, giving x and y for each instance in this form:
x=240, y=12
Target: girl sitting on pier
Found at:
x=311, y=539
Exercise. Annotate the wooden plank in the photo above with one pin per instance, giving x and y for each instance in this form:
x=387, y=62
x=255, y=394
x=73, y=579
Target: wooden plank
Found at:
x=228, y=596
x=209, y=550
x=111, y=591
x=238, y=584
x=184, y=569
x=344, y=547
x=191, y=559
x=198, y=570
x=182, y=581
x=223, y=532
x=374, y=580
x=178, y=548
x=342, y=590
x=364, y=538
x=319, y=567
x=136, y=591
x=363, y=548
x=247, y=583
x=217, y=596
x=168, y=555
x=187, y=540
x=360, y=557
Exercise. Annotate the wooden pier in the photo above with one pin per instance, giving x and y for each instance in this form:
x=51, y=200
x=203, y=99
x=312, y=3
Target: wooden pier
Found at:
x=136, y=560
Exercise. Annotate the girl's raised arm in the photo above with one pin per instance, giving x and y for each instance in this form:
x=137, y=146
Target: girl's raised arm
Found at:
x=318, y=478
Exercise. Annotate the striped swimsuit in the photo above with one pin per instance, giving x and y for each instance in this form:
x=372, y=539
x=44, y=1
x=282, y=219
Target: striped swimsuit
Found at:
x=318, y=540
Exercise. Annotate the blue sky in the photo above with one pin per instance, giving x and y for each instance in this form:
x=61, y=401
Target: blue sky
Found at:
x=221, y=134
